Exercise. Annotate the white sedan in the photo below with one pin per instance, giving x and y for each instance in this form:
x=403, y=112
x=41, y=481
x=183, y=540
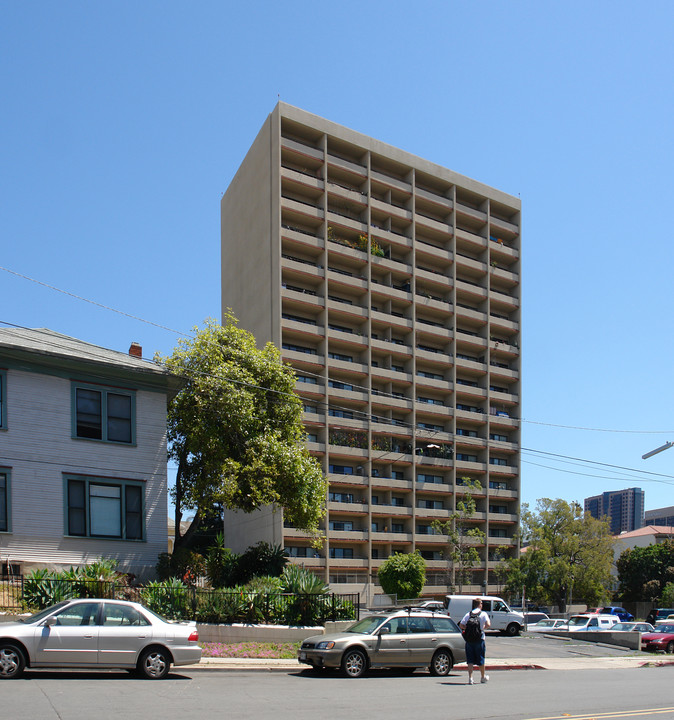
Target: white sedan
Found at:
x=548, y=626
x=97, y=633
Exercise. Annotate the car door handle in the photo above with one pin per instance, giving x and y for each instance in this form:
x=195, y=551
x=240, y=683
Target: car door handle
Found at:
x=402, y=642
x=89, y=637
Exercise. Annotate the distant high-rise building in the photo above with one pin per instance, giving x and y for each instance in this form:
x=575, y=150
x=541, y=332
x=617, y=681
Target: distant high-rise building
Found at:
x=392, y=286
x=660, y=516
x=624, y=509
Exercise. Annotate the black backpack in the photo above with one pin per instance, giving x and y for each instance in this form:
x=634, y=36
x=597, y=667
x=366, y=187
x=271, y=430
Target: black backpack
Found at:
x=473, y=631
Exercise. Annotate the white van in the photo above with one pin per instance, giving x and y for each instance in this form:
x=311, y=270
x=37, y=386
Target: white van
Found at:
x=500, y=615
x=589, y=621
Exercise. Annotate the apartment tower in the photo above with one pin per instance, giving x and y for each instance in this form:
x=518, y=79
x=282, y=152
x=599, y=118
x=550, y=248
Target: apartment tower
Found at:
x=392, y=286
x=623, y=508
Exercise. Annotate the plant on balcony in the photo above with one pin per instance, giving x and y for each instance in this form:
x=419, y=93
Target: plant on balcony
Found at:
x=462, y=535
x=403, y=575
x=346, y=438
x=376, y=249
x=382, y=443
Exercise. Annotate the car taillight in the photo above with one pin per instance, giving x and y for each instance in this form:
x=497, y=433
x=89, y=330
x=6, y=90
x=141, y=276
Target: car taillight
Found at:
x=194, y=637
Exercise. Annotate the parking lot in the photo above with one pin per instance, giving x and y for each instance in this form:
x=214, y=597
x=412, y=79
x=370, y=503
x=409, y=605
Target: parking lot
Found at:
x=529, y=647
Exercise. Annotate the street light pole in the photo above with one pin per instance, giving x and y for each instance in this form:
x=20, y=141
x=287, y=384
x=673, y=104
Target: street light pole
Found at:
x=660, y=449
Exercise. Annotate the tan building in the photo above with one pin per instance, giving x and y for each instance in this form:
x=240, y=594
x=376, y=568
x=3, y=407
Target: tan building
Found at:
x=392, y=285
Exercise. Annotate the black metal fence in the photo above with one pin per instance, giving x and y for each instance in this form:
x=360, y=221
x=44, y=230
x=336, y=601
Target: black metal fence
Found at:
x=176, y=601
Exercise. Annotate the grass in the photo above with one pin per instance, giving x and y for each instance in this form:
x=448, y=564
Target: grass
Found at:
x=266, y=651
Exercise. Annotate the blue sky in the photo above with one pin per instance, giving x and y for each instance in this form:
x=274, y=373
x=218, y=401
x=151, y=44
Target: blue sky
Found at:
x=124, y=122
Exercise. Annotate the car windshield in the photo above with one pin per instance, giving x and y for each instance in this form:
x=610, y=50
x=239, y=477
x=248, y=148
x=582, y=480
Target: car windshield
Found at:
x=367, y=625
x=664, y=629
x=545, y=623
x=622, y=626
x=43, y=613
x=579, y=621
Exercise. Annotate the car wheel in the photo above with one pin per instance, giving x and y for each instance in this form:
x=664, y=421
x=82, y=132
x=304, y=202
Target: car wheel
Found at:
x=12, y=662
x=154, y=663
x=670, y=648
x=354, y=663
x=442, y=663
x=512, y=630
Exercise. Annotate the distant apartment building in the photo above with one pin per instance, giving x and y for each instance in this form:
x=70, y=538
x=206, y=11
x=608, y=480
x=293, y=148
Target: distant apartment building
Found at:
x=392, y=286
x=660, y=516
x=624, y=509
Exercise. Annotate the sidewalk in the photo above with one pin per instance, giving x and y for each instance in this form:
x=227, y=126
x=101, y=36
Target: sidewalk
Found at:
x=271, y=665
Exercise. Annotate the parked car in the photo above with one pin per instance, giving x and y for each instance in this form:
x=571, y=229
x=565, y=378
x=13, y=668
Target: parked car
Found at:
x=398, y=639
x=96, y=633
x=589, y=622
x=431, y=605
x=547, y=625
x=665, y=621
x=658, y=614
x=622, y=614
x=660, y=640
x=642, y=627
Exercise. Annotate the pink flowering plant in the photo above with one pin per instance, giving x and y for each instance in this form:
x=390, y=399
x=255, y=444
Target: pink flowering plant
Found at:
x=265, y=651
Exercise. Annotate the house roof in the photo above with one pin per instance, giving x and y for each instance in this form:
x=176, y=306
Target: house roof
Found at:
x=32, y=348
x=648, y=530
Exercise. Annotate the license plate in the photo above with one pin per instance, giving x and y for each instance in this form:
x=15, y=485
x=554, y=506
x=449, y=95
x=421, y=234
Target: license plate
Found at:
x=303, y=656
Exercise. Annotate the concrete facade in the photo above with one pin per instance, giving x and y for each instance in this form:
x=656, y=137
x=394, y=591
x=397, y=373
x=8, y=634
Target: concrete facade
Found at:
x=392, y=285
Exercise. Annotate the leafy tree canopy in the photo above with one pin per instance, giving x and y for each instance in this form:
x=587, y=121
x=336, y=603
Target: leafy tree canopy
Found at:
x=568, y=555
x=235, y=430
x=403, y=575
x=643, y=572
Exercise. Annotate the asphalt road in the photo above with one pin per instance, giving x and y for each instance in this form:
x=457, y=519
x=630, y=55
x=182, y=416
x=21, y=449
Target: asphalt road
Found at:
x=301, y=695
x=532, y=646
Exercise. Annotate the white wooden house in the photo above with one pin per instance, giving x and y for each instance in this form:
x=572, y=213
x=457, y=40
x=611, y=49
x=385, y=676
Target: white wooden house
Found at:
x=82, y=453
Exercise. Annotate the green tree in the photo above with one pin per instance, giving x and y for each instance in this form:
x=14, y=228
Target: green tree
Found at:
x=667, y=597
x=235, y=431
x=644, y=566
x=403, y=575
x=463, y=536
x=568, y=555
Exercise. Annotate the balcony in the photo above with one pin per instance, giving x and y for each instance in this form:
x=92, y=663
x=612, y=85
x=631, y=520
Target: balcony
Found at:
x=354, y=508
x=301, y=148
x=352, y=168
x=391, y=182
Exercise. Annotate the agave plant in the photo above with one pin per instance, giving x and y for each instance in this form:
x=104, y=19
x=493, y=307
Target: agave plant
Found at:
x=302, y=582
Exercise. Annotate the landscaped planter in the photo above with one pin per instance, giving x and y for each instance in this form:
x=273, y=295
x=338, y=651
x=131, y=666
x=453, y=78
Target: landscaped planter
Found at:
x=237, y=632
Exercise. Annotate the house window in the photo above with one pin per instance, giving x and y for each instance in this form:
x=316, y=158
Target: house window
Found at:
x=101, y=414
x=5, y=525
x=3, y=400
x=101, y=508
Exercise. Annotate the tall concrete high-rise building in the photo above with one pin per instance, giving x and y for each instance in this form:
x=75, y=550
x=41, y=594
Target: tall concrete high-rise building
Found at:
x=624, y=509
x=392, y=286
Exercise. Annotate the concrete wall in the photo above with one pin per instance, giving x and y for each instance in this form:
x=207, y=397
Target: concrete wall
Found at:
x=630, y=640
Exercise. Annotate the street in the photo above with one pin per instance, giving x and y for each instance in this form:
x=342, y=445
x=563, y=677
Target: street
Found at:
x=295, y=695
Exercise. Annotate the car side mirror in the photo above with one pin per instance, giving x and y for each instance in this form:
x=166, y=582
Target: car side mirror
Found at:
x=51, y=620
x=385, y=631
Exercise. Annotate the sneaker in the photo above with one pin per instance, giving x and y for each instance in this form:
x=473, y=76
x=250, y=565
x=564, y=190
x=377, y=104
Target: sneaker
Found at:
x=470, y=681
x=485, y=679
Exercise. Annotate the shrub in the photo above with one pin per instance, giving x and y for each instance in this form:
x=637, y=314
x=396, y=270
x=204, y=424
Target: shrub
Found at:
x=183, y=565
x=222, y=565
x=403, y=575
x=43, y=588
x=169, y=599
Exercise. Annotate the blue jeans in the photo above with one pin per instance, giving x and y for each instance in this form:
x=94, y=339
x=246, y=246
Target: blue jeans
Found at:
x=475, y=653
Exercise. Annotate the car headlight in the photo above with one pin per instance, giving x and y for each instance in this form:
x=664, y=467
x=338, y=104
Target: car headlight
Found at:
x=327, y=645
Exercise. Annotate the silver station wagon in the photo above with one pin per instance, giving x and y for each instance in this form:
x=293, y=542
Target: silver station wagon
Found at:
x=403, y=639
x=94, y=633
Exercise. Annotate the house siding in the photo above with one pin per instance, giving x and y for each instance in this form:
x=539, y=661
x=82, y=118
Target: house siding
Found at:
x=39, y=449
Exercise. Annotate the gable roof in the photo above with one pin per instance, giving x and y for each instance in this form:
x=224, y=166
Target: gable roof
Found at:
x=46, y=350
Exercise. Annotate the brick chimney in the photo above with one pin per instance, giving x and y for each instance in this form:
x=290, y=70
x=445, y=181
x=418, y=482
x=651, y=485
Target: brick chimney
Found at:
x=136, y=350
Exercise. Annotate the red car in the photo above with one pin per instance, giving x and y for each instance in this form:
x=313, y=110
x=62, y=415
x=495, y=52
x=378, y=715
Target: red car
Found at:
x=661, y=640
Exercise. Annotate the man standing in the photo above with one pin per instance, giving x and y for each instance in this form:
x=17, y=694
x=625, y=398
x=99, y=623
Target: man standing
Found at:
x=473, y=624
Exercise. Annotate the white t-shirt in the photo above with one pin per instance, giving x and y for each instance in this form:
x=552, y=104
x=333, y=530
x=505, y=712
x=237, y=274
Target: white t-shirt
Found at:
x=483, y=618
